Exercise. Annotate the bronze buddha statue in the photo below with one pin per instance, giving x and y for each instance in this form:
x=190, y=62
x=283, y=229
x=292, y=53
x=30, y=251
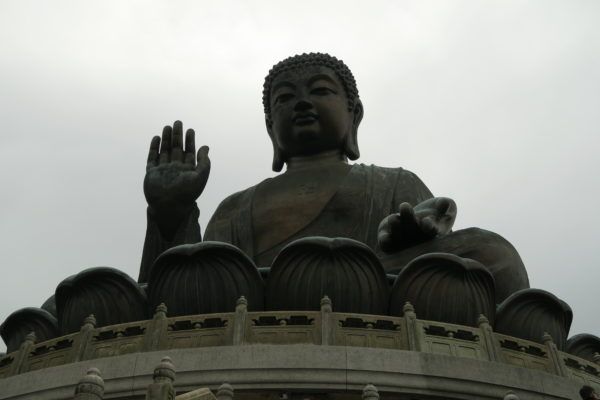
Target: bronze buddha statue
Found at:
x=322, y=227
x=312, y=112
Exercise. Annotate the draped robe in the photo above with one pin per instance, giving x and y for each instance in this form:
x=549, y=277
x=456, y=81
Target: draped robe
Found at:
x=362, y=200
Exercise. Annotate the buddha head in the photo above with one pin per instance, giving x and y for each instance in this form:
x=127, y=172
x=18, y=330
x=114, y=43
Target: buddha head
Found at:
x=311, y=106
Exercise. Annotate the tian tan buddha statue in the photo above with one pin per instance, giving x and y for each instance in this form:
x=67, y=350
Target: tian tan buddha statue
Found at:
x=368, y=237
x=312, y=114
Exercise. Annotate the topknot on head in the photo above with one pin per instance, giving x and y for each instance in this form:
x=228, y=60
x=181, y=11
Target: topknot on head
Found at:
x=307, y=60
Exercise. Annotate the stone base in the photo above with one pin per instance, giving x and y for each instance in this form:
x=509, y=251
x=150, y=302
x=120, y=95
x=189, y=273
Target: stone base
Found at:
x=280, y=371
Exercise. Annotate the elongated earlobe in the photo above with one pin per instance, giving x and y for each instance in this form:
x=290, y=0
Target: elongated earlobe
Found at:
x=351, y=148
x=351, y=145
x=278, y=159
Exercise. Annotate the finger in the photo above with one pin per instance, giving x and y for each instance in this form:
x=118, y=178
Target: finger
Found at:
x=428, y=227
x=165, y=145
x=177, y=143
x=153, y=152
x=203, y=160
x=443, y=204
x=391, y=233
x=385, y=241
x=393, y=224
x=190, y=147
x=203, y=166
x=407, y=214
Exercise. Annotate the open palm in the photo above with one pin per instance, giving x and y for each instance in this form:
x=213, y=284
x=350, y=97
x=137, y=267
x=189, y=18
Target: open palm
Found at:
x=175, y=174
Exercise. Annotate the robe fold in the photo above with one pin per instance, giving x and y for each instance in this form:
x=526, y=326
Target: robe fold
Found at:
x=364, y=198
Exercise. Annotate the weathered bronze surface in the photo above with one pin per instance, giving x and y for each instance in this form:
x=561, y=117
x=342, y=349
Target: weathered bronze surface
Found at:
x=30, y=319
x=345, y=270
x=585, y=346
x=532, y=313
x=312, y=114
x=111, y=295
x=204, y=278
x=446, y=288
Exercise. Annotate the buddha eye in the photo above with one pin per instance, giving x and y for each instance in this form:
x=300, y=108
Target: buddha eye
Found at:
x=322, y=91
x=282, y=98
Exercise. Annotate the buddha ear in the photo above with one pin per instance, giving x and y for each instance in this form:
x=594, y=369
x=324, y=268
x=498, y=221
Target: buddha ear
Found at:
x=277, y=153
x=351, y=145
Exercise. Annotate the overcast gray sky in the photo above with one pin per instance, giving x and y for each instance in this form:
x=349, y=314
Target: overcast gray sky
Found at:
x=492, y=103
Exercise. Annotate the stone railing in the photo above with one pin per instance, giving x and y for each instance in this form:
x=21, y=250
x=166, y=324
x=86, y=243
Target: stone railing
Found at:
x=91, y=387
x=323, y=327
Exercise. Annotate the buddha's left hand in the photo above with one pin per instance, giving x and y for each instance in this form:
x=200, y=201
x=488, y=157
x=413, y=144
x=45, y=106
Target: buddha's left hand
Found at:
x=414, y=225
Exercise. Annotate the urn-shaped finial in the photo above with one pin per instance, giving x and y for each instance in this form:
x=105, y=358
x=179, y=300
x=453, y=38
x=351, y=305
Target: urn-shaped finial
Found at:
x=165, y=371
x=370, y=392
x=510, y=396
x=225, y=392
x=90, y=386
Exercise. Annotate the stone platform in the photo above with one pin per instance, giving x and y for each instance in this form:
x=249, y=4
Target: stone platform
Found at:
x=268, y=354
x=270, y=371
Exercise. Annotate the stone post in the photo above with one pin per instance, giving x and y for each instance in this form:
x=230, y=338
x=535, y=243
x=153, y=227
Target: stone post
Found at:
x=225, y=392
x=81, y=341
x=490, y=343
x=21, y=362
x=413, y=331
x=510, y=395
x=164, y=376
x=370, y=392
x=90, y=387
x=239, y=321
x=554, y=355
x=198, y=394
x=155, y=336
x=326, y=325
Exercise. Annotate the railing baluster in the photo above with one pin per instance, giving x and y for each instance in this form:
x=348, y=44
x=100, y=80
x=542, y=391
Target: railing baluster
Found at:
x=239, y=321
x=155, y=336
x=490, y=342
x=326, y=325
x=414, y=336
x=554, y=356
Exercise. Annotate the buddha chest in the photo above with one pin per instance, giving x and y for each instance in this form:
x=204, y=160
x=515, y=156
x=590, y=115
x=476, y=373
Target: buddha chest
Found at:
x=287, y=203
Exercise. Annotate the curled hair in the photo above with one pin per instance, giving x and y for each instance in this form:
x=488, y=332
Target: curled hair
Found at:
x=306, y=60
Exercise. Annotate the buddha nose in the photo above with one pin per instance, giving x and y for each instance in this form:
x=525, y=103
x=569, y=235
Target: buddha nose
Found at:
x=303, y=104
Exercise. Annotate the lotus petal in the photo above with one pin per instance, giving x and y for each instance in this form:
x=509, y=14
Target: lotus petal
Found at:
x=344, y=269
x=202, y=278
x=445, y=287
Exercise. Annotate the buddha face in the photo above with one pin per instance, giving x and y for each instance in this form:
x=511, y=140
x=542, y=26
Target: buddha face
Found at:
x=309, y=113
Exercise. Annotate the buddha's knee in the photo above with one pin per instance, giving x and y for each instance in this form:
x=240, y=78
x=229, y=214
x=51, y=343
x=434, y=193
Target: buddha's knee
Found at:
x=489, y=248
x=496, y=254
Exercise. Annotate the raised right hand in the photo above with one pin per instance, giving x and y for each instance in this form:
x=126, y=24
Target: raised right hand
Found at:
x=174, y=180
